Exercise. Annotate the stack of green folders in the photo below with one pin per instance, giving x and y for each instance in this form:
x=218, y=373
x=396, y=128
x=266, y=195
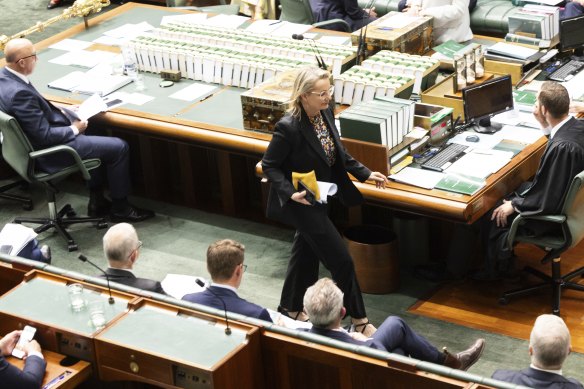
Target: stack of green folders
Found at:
x=423, y=69
x=384, y=120
x=360, y=84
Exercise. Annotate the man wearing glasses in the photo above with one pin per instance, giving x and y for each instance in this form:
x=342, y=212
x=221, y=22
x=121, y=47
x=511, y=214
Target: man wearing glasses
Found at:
x=225, y=265
x=46, y=125
x=121, y=248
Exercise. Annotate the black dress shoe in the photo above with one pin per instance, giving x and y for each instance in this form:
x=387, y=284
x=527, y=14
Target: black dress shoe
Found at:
x=131, y=215
x=54, y=4
x=465, y=359
x=100, y=207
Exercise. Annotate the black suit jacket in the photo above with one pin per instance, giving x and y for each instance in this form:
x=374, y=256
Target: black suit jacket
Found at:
x=128, y=278
x=31, y=377
x=296, y=148
x=537, y=379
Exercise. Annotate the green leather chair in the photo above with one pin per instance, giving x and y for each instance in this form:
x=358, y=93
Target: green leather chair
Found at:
x=222, y=8
x=20, y=155
x=299, y=11
x=570, y=226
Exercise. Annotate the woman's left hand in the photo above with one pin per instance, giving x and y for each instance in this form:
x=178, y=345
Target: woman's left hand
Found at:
x=380, y=179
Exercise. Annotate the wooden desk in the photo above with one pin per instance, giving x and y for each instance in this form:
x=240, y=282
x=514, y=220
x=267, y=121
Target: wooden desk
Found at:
x=72, y=375
x=200, y=156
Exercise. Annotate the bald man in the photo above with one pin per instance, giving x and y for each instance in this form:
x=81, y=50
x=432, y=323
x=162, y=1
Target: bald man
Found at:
x=121, y=248
x=549, y=346
x=46, y=125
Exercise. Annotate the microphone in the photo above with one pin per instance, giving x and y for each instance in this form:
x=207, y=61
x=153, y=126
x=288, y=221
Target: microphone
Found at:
x=361, y=46
x=314, y=47
x=83, y=258
x=202, y=285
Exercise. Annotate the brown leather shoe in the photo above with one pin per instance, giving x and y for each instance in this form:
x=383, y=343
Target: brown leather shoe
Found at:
x=465, y=359
x=54, y=4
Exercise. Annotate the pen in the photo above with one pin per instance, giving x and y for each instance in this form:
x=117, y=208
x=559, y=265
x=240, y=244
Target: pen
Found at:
x=271, y=24
x=385, y=28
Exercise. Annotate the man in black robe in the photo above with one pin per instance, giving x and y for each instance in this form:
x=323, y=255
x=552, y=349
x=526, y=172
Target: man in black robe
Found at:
x=562, y=160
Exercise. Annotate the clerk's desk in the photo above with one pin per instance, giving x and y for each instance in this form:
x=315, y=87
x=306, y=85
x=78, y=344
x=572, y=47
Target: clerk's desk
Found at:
x=198, y=153
x=143, y=340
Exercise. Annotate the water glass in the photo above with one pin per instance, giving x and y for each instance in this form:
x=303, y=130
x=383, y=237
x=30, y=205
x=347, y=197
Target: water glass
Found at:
x=97, y=314
x=76, y=300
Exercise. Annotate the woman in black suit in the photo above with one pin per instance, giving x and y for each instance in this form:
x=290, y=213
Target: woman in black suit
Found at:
x=306, y=139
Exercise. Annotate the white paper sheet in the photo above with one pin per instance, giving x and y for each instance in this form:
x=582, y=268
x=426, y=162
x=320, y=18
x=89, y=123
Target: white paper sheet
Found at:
x=286, y=29
x=287, y=322
x=326, y=189
x=226, y=21
x=194, y=92
x=192, y=18
x=178, y=285
x=17, y=236
x=480, y=163
x=265, y=26
x=335, y=40
x=418, y=177
x=91, y=106
x=71, y=45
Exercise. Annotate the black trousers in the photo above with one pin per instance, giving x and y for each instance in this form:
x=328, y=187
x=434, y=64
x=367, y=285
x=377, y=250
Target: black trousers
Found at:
x=308, y=250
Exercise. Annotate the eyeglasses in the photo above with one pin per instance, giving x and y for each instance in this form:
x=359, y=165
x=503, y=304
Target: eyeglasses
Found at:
x=136, y=249
x=244, y=266
x=29, y=56
x=325, y=93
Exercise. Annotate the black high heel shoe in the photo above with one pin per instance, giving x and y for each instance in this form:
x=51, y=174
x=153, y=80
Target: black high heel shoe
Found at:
x=289, y=314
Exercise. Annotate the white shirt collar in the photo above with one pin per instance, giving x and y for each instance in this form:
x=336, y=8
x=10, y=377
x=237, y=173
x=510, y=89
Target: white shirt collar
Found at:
x=557, y=126
x=224, y=286
x=19, y=75
x=546, y=370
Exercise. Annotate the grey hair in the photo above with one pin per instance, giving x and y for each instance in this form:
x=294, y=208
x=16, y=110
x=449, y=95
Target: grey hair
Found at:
x=323, y=302
x=550, y=341
x=119, y=242
x=304, y=83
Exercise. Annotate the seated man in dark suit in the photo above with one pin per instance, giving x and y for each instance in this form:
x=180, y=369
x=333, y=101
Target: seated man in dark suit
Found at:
x=549, y=346
x=225, y=265
x=121, y=247
x=46, y=125
x=31, y=377
x=323, y=302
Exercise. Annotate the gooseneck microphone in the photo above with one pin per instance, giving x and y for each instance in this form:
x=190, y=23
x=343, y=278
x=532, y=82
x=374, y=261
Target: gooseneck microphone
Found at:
x=227, y=328
x=315, y=51
x=361, y=45
x=83, y=258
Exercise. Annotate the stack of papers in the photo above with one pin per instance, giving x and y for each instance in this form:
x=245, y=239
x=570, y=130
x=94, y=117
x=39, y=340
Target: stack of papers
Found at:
x=14, y=237
x=102, y=84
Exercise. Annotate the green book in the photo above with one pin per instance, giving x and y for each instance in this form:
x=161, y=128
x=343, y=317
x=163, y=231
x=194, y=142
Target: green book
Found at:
x=364, y=128
x=448, y=48
x=459, y=183
x=524, y=99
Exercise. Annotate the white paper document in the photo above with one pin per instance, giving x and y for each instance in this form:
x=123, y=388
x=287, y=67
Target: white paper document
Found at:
x=129, y=30
x=226, y=21
x=396, y=21
x=179, y=285
x=103, y=84
x=486, y=141
x=480, y=163
x=520, y=134
x=286, y=29
x=264, y=26
x=191, y=17
x=418, y=177
x=83, y=58
x=287, y=322
x=91, y=106
x=335, y=40
x=17, y=236
x=196, y=91
x=71, y=45
x=326, y=189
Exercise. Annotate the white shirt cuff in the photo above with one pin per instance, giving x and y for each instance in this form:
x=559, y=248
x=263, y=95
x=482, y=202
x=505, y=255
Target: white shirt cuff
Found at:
x=75, y=130
x=35, y=354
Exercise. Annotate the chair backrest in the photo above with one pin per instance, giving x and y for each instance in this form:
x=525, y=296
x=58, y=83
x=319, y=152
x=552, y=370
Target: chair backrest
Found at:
x=574, y=209
x=15, y=146
x=296, y=11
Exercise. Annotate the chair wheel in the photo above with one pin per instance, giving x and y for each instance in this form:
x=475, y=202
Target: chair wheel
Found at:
x=27, y=206
x=101, y=225
x=72, y=247
x=503, y=300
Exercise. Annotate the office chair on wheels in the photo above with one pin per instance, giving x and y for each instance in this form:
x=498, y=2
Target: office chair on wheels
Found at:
x=299, y=11
x=570, y=231
x=25, y=201
x=19, y=154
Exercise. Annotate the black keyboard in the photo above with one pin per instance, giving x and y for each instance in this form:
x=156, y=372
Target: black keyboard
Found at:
x=445, y=157
x=570, y=68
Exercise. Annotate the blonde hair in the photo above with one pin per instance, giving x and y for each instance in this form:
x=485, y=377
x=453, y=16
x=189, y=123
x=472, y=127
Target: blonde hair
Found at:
x=304, y=83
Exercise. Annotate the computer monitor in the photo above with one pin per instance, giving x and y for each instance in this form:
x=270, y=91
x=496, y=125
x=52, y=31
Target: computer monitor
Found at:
x=572, y=35
x=482, y=101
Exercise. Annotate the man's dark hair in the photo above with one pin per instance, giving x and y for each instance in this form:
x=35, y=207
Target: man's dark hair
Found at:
x=555, y=98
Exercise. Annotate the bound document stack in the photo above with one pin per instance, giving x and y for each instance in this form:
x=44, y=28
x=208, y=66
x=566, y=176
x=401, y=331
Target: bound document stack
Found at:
x=383, y=121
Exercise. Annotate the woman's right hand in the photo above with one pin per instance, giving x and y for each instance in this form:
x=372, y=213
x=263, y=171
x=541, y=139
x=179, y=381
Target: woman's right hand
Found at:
x=299, y=197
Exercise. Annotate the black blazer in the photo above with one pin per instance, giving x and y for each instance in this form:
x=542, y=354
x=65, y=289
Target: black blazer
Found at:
x=128, y=278
x=537, y=379
x=296, y=148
